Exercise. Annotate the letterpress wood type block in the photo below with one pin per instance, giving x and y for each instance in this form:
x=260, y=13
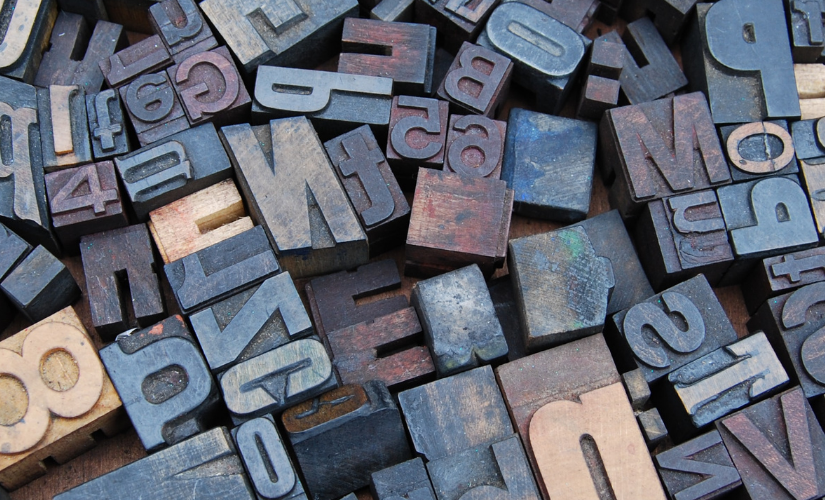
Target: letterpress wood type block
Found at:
x=457, y=21
x=199, y=220
x=456, y=413
x=738, y=53
x=251, y=323
x=301, y=203
x=90, y=9
x=492, y=470
x=210, y=88
x=400, y=11
x=760, y=149
x=459, y=320
x=764, y=218
x=808, y=142
x=601, y=89
x=132, y=14
x=55, y=394
x=806, y=29
x=153, y=107
x=698, y=469
x=221, y=270
x=13, y=249
x=638, y=390
x=814, y=177
x=653, y=427
x=371, y=187
x=280, y=32
x=64, y=130
x=161, y=375
x=146, y=56
x=84, y=200
x=74, y=52
x=477, y=82
x=457, y=221
x=418, y=132
x=659, y=149
x=475, y=146
x=182, y=28
x=543, y=151
x=358, y=428
x=26, y=27
x=811, y=91
x=40, y=285
x=669, y=16
x=108, y=258
x=406, y=480
x=206, y=465
x=546, y=54
x=777, y=447
x=544, y=264
x=682, y=236
x=107, y=126
x=504, y=300
x=266, y=461
x=783, y=273
x=182, y=164
x=577, y=14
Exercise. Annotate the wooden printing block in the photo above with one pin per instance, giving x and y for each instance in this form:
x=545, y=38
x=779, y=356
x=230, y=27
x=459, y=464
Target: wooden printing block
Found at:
x=475, y=146
x=669, y=16
x=26, y=28
x=544, y=264
x=504, y=301
x=687, y=321
x=55, y=394
x=302, y=205
x=455, y=413
x=783, y=273
x=650, y=421
x=814, y=177
x=107, y=126
x=160, y=373
x=459, y=320
x=223, y=269
x=766, y=438
x=153, y=107
x=406, y=480
x=371, y=188
x=653, y=427
x=207, y=465
x=760, y=149
x=418, y=133
x=808, y=143
x=90, y=9
x=393, y=11
x=638, y=390
x=279, y=32
x=549, y=163
x=177, y=166
x=576, y=14
x=738, y=53
x=601, y=88
x=811, y=90
x=198, y=220
x=210, y=88
x=457, y=221
x=806, y=30
x=182, y=28
x=13, y=249
x=132, y=14
x=110, y=258
x=652, y=150
x=40, y=285
x=251, y=322
x=457, y=21
x=698, y=469
x=358, y=428
x=84, y=200
x=477, y=81
x=64, y=131
x=147, y=56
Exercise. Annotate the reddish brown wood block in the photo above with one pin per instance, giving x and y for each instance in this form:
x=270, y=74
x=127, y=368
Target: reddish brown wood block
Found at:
x=143, y=57
x=477, y=81
x=418, y=131
x=475, y=146
x=153, y=107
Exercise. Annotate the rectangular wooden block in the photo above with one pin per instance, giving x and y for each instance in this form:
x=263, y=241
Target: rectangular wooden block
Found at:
x=153, y=107
x=64, y=133
x=475, y=146
x=698, y=469
x=808, y=143
x=477, y=81
x=132, y=14
x=806, y=30
x=577, y=14
x=456, y=21
x=182, y=28
x=394, y=11
x=504, y=300
x=601, y=88
x=418, y=133
x=406, y=480
x=108, y=128
x=147, y=56
x=669, y=16
x=26, y=30
x=13, y=249
x=814, y=177
x=40, y=285
x=759, y=149
x=810, y=89
x=783, y=273
x=90, y=9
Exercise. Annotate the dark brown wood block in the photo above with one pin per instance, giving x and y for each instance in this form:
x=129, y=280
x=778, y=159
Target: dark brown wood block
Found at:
x=40, y=285
x=601, y=88
x=153, y=107
x=107, y=125
x=26, y=27
x=669, y=16
x=457, y=21
x=90, y=9
x=478, y=80
x=146, y=56
x=576, y=14
x=783, y=273
x=393, y=11
x=700, y=469
x=806, y=30
x=64, y=130
x=182, y=28
x=418, y=132
x=475, y=146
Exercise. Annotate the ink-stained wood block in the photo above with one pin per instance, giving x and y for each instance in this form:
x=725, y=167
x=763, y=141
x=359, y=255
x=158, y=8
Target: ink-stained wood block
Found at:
x=806, y=30
x=250, y=323
x=475, y=146
x=163, y=379
x=13, y=249
x=182, y=28
x=669, y=16
x=781, y=274
x=682, y=236
x=577, y=14
x=760, y=149
x=546, y=54
x=394, y=11
x=358, y=428
x=659, y=149
x=599, y=93
x=132, y=14
x=456, y=413
x=404, y=52
x=147, y=56
x=457, y=221
x=198, y=220
x=55, y=394
x=277, y=379
x=26, y=28
x=477, y=81
x=84, y=200
x=180, y=165
x=653, y=427
x=153, y=107
x=371, y=188
x=107, y=126
x=504, y=301
x=549, y=162
x=406, y=480
x=698, y=469
x=210, y=88
x=492, y=470
x=638, y=390
x=223, y=269
x=457, y=21
x=738, y=53
x=459, y=320
x=64, y=132
x=814, y=177
x=777, y=447
x=808, y=142
x=40, y=285
x=335, y=102
x=284, y=33
x=810, y=89
x=264, y=456
x=110, y=256
x=544, y=264
x=687, y=322
x=90, y=9
x=418, y=133
x=301, y=203
x=205, y=465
